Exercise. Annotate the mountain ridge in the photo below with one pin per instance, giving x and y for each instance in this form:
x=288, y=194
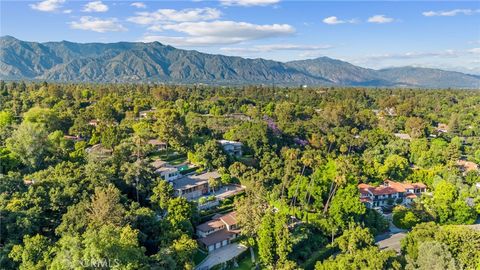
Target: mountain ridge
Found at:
x=155, y=62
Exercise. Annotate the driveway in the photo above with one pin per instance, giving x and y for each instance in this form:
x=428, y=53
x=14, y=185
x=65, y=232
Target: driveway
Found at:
x=391, y=239
x=221, y=255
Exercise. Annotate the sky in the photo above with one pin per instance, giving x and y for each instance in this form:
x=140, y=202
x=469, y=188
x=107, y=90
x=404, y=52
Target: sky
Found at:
x=373, y=34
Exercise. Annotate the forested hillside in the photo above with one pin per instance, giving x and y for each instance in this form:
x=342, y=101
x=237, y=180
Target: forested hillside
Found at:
x=81, y=183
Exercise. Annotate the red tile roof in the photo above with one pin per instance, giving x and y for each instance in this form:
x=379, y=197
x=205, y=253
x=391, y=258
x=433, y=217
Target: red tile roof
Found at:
x=389, y=187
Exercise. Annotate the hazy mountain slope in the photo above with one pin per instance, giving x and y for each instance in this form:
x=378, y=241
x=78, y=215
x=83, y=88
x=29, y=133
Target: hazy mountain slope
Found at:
x=339, y=72
x=150, y=62
x=428, y=77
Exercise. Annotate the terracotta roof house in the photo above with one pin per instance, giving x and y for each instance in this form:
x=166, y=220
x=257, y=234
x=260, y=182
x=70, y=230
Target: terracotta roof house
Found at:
x=467, y=166
x=390, y=190
x=218, y=232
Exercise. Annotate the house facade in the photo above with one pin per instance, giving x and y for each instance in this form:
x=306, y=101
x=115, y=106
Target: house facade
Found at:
x=390, y=193
x=231, y=147
x=158, y=145
x=192, y=187
x=220, y=231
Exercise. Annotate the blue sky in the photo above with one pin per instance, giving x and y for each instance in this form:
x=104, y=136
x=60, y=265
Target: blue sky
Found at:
x=371, y=34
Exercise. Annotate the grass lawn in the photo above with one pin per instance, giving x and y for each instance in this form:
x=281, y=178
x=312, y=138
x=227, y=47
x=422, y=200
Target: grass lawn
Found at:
x=245, y=264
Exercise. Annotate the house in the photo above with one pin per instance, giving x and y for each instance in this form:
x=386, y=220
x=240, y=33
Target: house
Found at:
x=73, y=138
x=220, y=231
x=166, y=171
x=403, y=136
x=467, y=166
x=231, y=147
x=389, y=193
x=442, y=128
x=146, y=113
x=99, y=150
x=193, y=186
x=158, y=145
x=94, y=122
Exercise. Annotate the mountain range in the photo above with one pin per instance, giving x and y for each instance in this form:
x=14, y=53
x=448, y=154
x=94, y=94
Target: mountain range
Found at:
x=154, y=62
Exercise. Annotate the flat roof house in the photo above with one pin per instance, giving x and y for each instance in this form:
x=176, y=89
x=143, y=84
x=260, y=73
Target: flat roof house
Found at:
x=231, y=147
x=193, y=186
x=373, y=196
x=218, y=232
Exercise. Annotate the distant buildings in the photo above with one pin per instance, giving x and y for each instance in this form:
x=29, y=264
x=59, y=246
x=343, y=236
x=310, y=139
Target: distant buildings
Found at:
x=231, y=147
x=390, y=193
x=218, y=232
x=467, y=166
x=403, y=136
x=99, y=151
x=441, y=128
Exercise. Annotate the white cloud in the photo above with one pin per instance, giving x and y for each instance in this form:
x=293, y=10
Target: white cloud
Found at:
x=48, y=5
x=335, y=20
x=219, y=32
x=380, y=19
x=67, y=11
x=450, y=13
x=415, y=55
x=474, y=51
x=95, y=6
x=172, y=15
x=98, y=25
x=275, y=47
x=248, y=3
x=138, y=5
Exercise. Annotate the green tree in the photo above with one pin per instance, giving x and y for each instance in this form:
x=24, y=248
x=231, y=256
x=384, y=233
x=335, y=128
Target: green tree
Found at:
x=346, y=207
x=30, y=144
x=184, y=249
x=171, y=128
x=35, y=253
x=416, y=127
x=394, y=167
x=266, y=239
x=6, y=119
x=105, y=208
x=354, y=238
x=433, y=255
x=162, y=194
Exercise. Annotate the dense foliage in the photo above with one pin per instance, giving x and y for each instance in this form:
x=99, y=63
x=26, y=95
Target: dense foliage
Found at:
x=305, y=152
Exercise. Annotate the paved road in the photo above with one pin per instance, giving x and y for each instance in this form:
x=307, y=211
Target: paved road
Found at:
x=390, y=240
x=221, y=255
